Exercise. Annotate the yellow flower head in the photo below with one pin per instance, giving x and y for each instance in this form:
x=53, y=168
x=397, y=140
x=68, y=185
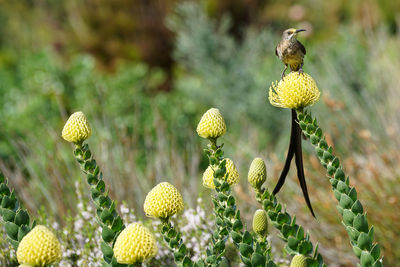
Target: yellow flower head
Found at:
x=295, y=91
x=135, y=244
x=299, y=261
x=163, y=201
x=257, y=173
x=260, y=222
x=39, y=247
x=233, y=175
x=212, y=124
x=77, y=128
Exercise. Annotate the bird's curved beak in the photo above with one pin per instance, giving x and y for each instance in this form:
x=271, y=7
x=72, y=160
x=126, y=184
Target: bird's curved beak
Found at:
x=300, y=30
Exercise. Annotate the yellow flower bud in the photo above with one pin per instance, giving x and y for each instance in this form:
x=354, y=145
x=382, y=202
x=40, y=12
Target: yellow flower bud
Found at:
x=299, y=261
x=135, y=244
x=295, y=91
x=233, y=175
x=260, y=222
x=163, y=201
x=77, y=128
x=212, y=124
x=39, y=247
x=257, y=173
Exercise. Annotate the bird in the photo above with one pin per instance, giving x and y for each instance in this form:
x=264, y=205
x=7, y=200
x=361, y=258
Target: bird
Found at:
x=290, y=51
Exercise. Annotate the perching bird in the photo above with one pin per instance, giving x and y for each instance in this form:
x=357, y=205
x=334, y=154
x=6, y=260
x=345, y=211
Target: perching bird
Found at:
x=291, y=51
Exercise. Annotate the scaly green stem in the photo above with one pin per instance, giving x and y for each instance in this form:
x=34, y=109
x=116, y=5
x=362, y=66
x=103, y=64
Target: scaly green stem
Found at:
x=290, y=232
x=174, y=240
x=228, y=217
x=15, y=217
x=350, y=208
x=108, y=218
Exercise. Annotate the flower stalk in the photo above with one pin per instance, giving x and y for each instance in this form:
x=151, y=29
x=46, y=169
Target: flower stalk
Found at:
x=16, y=218
x=109, y=220
x=350, y=208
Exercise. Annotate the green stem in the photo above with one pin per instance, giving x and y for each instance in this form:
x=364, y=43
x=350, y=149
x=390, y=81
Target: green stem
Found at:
x=290, y=232
x=228, y=218
x=108, y=218
x=174, y=240
x=15, y=217
x=353, y=217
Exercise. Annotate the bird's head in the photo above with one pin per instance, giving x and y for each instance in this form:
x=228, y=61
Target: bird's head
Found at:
x=291, y=33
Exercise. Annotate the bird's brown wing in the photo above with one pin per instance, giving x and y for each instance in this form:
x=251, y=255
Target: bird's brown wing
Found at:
x=303, y=49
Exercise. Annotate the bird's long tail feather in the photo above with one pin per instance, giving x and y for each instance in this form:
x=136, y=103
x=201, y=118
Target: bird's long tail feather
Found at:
x=295, y=149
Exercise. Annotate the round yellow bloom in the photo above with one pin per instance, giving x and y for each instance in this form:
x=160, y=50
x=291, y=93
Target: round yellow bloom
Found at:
x=257, y=173
x=260, y=222
x=299, y=261
x=212, y=124
x=135, y=244
x=39, y=247
x=163, y=201
x=77, y=128
x=233, y=175
x=295, y=91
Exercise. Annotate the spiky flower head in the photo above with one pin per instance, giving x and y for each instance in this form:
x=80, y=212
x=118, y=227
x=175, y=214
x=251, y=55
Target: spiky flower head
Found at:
x=163, y=201
x=40, y=247
x=260, y=222
x=233, y=175
x=212, y=124
x=77, y=128
x=295, y=91
x=299, y=261
x=257, y=173
x=135, y=244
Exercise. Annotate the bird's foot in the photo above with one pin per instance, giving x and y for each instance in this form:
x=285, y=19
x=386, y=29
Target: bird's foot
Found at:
x=282, y=76
x=301, y=71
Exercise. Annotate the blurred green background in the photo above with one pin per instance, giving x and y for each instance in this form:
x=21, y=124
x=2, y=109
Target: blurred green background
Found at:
x=144, y=72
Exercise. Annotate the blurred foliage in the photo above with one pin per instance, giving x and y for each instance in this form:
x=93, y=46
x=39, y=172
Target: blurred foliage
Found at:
x=143, y=81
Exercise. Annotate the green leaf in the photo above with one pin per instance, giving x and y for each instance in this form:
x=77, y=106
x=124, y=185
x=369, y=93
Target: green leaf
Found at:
x=366, y=259
x=237, y=226
x=92, y=179
x=353, y=233
x=364, y=241
x=7, y=203
x=107, y=250
x=292, y=242
x=319, y=152
x=342, y=187
x=305, y=247
x=101, y=186
x=12, y=230
x=117, y=224
x=186, y=262
x=272, y=215
x=283, y=218
x=348, y=217
x=245, y=250
x=171, y=233
x=8, y=215
x=287, y=230
x=23, y=230
x=376, y=251
x=337, y=194
x=360, y=223
x=353, y=194
x=178, y=256
x=378, y=263
x=231, y=201
x=300, y=233
x=327, y=157
x=106, y=217
x=236, y=237
x=22, y=218
x=4, y=190
x=357, y=207
x=258, y=260
x=247, y=238
x=339, y=175
x=107, y=234
x=345, y=201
